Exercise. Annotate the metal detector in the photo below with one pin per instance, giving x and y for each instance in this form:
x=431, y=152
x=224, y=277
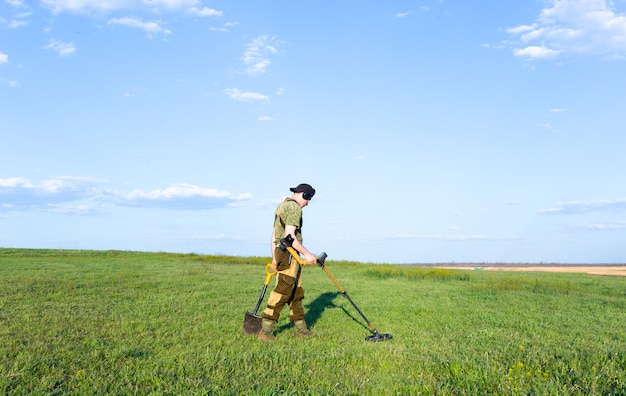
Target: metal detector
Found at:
x=286, y=244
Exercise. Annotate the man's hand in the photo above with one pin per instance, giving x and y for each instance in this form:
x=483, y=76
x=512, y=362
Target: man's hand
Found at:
x=274, y=265
x=310, y=259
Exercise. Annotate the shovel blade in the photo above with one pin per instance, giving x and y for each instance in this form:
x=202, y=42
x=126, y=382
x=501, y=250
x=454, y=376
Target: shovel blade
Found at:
x=251, y=324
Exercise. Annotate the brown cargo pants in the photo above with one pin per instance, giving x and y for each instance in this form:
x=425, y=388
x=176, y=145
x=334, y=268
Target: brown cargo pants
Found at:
x=288, y=289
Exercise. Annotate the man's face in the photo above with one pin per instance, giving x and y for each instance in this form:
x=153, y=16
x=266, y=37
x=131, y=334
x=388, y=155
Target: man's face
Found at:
x=301, y=201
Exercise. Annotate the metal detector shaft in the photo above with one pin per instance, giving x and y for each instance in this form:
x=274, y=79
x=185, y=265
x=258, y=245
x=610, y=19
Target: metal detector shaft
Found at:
x=345, y=294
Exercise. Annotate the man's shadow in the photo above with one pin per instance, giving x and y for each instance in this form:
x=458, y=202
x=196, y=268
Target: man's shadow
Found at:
x=316, y=308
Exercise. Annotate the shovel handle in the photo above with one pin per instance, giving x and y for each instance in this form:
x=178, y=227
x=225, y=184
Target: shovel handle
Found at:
x=268, y=274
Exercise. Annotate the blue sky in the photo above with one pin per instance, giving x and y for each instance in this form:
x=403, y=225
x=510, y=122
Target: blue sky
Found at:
x=433, y=131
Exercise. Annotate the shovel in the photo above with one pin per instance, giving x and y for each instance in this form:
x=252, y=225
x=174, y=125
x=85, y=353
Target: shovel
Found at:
x=252, y=321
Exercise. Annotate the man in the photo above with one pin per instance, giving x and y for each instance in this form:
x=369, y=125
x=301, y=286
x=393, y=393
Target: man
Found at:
x=288, y=289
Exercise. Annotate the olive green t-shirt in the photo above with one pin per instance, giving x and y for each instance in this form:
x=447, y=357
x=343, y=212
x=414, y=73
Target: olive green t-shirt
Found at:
x=288, y=212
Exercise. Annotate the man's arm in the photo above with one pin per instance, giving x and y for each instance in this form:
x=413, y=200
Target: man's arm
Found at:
x=308, y=256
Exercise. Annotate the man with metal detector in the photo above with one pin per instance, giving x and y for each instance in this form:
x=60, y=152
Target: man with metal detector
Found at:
x=288, y=289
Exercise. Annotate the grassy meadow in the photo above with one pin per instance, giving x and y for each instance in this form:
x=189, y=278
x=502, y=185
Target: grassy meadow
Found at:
x=133, y=323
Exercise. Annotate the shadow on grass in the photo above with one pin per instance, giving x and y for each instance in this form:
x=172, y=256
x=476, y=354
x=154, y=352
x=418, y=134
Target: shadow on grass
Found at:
x=354, y=318
x=315, y=309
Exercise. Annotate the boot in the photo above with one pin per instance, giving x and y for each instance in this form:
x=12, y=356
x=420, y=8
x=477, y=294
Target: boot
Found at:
x=301, y=329
x=267, y=330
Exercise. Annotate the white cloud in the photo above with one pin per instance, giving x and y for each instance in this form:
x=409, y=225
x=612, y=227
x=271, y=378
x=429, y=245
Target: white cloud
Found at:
x=170, y=4
x=4, y=58
x=536, y=52
x=600, y=226
x=241, y=96
x=178, y=190
x=549, y=127
x=132, y=92
x=204, y=12
x=77, y=195
x=573, y=28
x=107, y=6
x=14, y=182
x=572, y=207
x=265, y=118
x=80, y=210
x=62, y=48
x=15, y=3
x=21, y=193
x=17, y=22
x=84, y=6
x=256, y=57
x=211, y=237
x=178, y=196
x=9, y=83
x=556, y=110
x=225, y=28
x=149, y=27
x=521, y=29
x=403, y=14
x=474, y=237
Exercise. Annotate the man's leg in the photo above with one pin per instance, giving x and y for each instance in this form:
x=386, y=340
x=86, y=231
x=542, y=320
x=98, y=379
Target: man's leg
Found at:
x=280, y=295
x=296, y=312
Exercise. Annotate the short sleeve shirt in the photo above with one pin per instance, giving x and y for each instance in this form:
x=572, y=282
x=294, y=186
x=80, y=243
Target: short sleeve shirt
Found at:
x=288, y=213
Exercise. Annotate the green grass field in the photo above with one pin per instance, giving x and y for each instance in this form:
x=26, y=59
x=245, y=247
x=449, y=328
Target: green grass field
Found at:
x=110, y=322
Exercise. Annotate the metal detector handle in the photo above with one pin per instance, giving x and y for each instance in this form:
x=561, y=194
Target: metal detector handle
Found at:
x=286, y=245
x=321, y=259
x=268, y=274
x=286, y=242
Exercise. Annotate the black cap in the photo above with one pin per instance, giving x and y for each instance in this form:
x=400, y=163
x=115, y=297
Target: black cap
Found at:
x=303, y=188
